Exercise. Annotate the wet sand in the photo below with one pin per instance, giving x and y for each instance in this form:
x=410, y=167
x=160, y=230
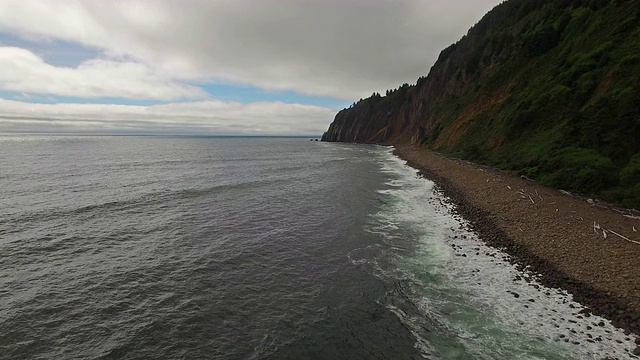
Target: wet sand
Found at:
x=572, y=242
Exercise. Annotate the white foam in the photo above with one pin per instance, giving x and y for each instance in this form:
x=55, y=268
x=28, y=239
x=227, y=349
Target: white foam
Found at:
x=478, y=282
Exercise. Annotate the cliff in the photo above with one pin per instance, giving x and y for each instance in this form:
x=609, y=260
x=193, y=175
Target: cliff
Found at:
x=546, y=89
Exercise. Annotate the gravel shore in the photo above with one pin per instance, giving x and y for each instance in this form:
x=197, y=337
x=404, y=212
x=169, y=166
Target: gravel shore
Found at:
x=583, y=246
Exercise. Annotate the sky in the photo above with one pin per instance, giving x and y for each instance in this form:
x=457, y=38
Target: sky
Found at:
x=217, y=67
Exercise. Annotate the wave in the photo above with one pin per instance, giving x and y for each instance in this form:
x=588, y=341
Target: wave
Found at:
x=136, y=201
x=488, y=308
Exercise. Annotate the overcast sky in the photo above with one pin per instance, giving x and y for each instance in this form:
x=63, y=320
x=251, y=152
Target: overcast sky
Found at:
x=276, y=67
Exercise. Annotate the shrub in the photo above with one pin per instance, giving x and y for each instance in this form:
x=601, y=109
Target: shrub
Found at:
x=630, y=175
x=541, y=40
x=585, y=86
x=581, y=170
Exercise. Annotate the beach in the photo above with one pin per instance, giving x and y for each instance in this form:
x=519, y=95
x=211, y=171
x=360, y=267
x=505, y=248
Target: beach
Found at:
x=581, y=245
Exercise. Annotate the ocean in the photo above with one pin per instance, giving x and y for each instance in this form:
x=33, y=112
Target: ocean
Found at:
x=132, y=247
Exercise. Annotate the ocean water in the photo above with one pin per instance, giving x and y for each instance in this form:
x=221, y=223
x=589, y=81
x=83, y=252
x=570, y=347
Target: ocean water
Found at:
x=257, y=248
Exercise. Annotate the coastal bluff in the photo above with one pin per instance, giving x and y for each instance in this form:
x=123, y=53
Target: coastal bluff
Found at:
x=530, y=125
x=545, y=89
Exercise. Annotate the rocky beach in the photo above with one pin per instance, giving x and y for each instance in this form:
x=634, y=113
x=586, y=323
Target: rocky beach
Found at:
x=581, y=245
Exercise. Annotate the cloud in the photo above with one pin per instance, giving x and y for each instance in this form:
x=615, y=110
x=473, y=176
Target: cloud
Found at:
x=340, y=49
x=201, y=117
x=23, y=71
x=168, y=50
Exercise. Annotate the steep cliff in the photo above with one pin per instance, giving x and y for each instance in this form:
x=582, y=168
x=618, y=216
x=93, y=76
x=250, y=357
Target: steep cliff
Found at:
x=548, y=89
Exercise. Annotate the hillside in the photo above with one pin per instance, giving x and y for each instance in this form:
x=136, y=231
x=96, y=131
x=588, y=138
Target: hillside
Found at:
x=546, y=89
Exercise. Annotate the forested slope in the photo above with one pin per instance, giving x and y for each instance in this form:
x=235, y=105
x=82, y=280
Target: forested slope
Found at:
x=547, y=89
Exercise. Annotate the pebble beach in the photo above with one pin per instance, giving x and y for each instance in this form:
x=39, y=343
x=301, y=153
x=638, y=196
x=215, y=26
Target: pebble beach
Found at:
x=586, y=247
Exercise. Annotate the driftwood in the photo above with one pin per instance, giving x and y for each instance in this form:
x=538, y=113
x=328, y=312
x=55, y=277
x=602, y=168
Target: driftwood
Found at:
x=597, y=227
x=624, y=237
x=524, y=195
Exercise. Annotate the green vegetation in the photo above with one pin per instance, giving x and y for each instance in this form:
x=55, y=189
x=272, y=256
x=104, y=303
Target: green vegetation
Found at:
x=547, y=89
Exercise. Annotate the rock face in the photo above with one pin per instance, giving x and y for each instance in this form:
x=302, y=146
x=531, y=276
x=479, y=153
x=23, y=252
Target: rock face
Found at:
x=545, y=88
x=413, y=113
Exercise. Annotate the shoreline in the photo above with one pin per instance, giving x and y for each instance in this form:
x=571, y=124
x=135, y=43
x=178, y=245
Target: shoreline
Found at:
x=572, y=243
